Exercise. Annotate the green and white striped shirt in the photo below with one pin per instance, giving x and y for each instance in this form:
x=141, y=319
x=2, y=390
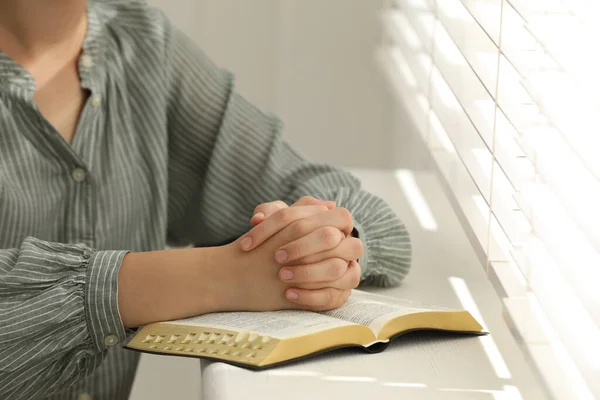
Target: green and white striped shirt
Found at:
x=165, y=153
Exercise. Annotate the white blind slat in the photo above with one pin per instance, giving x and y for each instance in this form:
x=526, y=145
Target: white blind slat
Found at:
x=507, y=103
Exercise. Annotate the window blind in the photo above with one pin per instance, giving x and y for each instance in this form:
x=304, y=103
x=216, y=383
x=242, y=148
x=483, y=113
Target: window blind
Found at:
x=504, y=95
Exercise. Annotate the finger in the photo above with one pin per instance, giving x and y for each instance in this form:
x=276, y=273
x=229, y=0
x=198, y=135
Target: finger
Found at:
x=318, y=300
x=324, y=271
x=339, y=218
x=349, y=249
x=278, y=221
x=320, y=240
x=350, y=280
x=265, y=210
x=311, y=201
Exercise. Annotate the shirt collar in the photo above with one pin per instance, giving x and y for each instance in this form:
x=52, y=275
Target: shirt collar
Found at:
x=13, y=73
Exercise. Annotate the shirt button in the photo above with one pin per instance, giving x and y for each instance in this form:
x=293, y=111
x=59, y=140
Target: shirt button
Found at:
x=86, y=61
x=78, y=175
x=96, y=101
x=84, y=396
x=111, y=340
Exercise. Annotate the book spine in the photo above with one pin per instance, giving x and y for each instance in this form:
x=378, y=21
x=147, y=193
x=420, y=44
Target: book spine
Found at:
x=242, y=347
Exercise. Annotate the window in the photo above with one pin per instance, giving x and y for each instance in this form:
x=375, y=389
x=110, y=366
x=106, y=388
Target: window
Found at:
x=505, y=95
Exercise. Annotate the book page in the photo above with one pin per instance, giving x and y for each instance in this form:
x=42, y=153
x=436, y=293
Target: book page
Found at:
x=375, y=310
x=277, y=324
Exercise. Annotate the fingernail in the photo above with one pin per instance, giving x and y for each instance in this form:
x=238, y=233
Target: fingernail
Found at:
x=292, y=295
x=281, y=256
x=246, y=243
x=286, y=274
x=258, y=215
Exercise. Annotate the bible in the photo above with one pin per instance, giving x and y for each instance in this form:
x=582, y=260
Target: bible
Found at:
x=258, y=340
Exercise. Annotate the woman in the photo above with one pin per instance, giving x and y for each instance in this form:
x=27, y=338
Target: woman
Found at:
x=118, y=137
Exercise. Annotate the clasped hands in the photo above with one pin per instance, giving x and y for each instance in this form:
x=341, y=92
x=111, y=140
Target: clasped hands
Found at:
x=301, y=256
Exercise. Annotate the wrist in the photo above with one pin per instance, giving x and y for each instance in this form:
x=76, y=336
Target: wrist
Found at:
x=230, y=282
x=172, y=284
x=220, y=280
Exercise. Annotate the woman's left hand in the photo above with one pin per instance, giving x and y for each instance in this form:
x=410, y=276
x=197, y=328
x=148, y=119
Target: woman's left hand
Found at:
x=321, y=231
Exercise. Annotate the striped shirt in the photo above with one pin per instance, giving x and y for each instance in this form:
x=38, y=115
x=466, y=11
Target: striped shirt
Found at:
x=165, y=153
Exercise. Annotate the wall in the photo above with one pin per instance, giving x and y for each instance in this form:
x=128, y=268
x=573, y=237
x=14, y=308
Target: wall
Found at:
x=309, y=61
x=330, y=90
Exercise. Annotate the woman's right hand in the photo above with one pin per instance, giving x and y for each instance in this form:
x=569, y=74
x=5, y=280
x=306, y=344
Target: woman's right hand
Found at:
x=255, y=285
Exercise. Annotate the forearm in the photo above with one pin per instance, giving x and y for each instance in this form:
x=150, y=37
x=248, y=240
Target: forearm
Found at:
x=172, y=284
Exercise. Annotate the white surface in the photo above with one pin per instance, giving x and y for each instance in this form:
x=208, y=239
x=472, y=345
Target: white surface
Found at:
x=417, y=366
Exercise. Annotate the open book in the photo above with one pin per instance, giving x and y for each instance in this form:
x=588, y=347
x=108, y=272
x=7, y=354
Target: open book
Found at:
x=263, y=339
